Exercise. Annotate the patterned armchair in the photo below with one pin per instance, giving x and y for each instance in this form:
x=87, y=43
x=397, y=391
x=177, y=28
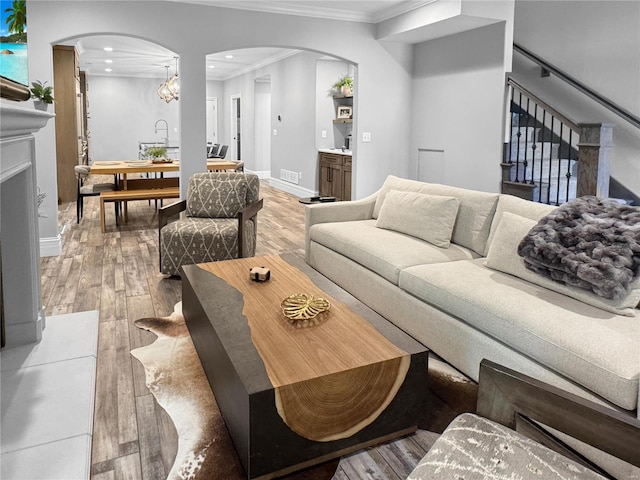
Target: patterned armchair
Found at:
x=220, y=221
x=487, y=445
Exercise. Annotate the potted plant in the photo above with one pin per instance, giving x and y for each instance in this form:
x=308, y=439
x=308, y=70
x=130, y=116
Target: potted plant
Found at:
x=344, y=85
x=42, y=94
x=157, y=154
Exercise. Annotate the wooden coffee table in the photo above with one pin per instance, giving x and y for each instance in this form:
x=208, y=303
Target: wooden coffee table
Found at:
x=294, y=397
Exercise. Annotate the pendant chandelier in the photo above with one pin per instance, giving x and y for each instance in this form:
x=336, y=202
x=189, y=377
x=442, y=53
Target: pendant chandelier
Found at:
x=170, y=89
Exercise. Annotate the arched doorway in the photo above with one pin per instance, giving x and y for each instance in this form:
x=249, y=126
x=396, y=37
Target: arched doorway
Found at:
x=277, y=113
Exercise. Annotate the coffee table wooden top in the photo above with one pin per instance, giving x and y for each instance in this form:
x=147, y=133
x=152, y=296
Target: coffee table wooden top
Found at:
x=331, y=379
x=342, y=339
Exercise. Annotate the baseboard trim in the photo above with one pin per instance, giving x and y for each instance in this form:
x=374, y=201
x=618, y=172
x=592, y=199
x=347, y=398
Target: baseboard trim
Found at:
x=262, y=174
x=51, y=246
x=291, y=188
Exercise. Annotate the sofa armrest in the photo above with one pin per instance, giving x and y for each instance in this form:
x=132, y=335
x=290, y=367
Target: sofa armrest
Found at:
x=336, y=212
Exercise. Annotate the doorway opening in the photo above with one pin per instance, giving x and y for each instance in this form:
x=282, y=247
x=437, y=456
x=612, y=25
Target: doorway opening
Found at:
x=236, y=127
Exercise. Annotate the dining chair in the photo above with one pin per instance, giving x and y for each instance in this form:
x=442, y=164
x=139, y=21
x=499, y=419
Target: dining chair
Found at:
x=222, y=153
x=239, y=166
x=212, y=150
x=92, y=190
x=220, y=223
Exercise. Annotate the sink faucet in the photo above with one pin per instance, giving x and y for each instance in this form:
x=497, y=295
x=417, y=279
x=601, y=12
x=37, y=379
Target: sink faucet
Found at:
x=166, y=129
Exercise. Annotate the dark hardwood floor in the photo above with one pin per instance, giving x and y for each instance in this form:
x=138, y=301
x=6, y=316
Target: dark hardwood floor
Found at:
x=117, y=274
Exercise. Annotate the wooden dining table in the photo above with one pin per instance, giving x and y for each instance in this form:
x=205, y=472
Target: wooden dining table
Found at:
x=121, y=169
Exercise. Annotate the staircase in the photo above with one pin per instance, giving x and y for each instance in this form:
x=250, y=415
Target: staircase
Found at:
x=540, y=167
x=549, y=158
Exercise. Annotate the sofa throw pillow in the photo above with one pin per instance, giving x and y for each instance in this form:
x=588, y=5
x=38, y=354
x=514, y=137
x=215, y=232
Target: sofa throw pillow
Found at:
x=503, y=256
x=590, y=243
x=474, y=215
x=428, y=217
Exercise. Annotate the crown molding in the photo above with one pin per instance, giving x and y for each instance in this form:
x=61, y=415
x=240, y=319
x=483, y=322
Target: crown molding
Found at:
x=399, y=9
x=263, y=63
x=299, y=8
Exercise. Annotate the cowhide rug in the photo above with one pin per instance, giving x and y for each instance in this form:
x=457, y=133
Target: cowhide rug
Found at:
x=175, y=377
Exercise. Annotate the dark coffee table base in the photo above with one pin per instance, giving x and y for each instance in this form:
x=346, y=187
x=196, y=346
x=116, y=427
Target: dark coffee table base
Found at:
x=267, y=447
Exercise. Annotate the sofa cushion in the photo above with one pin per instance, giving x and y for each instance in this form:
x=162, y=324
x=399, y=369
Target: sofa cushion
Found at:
x=474, y=215
x=524, y=208
x=594, y=348
x=503, y=256
x=383, y=251
x=475, y=448
x=429, y=217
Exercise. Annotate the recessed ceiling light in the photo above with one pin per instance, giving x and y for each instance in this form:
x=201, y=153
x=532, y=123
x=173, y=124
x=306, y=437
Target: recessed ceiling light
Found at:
x=108, y=49
x=212, y=66
x=108, y=60
x=108, y=70
x=228, y=56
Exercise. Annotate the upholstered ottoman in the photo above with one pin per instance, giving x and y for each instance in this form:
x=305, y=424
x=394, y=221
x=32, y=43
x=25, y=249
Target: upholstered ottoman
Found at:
x=474, y=448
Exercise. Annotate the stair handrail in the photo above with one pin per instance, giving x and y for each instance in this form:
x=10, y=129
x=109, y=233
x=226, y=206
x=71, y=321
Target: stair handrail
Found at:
x=514, y=83
x=609, y=104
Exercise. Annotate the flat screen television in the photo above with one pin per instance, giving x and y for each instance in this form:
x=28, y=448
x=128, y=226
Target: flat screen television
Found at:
x=14, y=75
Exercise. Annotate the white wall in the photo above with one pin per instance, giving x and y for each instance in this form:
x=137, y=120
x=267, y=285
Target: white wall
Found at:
x=458, y=106
x=294, y=148
x=379, y=66
x=262, y=123
x=123, y=111
x=600, y=46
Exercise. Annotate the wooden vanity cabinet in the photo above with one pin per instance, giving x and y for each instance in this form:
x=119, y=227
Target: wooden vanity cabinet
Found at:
x=346, y=178
x=335, y=176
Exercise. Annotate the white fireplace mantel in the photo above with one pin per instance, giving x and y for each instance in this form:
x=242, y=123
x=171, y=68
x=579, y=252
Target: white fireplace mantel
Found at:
x=18, y=119
x=19, y=240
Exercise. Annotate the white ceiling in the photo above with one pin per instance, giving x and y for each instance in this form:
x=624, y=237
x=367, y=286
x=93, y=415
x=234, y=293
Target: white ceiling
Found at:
x=133, y=57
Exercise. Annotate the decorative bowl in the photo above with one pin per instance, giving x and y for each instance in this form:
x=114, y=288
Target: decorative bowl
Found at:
x=300, y=306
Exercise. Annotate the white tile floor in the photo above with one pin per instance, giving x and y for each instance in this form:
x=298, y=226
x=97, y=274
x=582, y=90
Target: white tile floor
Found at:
x=47, y=398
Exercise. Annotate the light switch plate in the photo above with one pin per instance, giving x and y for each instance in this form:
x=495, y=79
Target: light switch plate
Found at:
x=366, y=137
x=275, y=132
x=324, y=134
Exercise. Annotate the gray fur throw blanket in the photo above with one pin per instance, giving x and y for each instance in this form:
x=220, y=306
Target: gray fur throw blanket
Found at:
x=589, y=243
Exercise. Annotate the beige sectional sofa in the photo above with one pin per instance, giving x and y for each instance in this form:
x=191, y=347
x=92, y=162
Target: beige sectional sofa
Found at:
x=472, y=298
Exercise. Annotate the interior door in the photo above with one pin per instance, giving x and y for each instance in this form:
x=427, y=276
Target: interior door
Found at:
x=235, y=148
x=212, y=120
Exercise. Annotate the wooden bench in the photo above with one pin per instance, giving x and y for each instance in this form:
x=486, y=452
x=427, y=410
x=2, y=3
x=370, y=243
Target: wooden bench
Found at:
x=148, y=183
x=136, y=194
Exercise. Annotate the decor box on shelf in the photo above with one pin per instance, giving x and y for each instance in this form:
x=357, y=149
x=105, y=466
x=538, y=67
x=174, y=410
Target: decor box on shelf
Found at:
x=442, y=263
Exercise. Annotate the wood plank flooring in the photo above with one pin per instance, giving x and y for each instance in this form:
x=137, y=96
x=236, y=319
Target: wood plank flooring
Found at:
x=117, y=274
